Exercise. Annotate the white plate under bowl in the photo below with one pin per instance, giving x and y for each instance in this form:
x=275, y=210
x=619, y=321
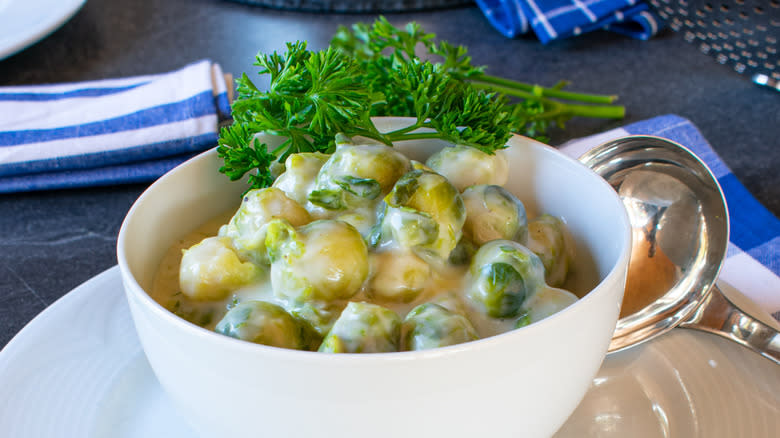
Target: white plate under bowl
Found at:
x=25, y=22
x=77, y=370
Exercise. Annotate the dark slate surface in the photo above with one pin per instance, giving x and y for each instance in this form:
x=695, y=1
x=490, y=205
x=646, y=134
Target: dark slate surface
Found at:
x=51, y=242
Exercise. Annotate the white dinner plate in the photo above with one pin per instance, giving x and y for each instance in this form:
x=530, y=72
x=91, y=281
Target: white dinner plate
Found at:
x=25, y=22
x=77, y=370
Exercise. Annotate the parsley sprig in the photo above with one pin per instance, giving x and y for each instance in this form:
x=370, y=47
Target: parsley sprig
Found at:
x=373, y=70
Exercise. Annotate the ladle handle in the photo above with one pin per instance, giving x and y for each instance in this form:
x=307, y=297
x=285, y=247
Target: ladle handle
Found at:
x=720, y=316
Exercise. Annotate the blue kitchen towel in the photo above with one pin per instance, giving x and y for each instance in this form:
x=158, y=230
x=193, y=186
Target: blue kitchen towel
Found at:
x=555, y=19
x=109, y=131
x=752, y=263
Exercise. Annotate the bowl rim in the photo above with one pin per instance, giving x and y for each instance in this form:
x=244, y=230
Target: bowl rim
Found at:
x=135, y=289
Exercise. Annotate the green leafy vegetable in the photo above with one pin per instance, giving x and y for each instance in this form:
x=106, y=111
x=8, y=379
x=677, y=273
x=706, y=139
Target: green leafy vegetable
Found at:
x=535, y=111
x=241, y=156
x=373, y=70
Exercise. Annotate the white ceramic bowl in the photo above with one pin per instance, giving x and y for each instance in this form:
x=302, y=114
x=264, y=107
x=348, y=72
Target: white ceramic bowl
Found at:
x=521, y=383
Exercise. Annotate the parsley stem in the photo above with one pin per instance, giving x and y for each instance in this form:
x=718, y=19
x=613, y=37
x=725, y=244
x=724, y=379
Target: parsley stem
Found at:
x=599, y=111
x=401, y=132
x=508, y=84
x=596, y=111
x=415, y=136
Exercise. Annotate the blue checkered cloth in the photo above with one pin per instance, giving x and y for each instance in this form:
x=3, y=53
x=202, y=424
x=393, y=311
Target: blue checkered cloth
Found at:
x=555, y=19
x=752, y=263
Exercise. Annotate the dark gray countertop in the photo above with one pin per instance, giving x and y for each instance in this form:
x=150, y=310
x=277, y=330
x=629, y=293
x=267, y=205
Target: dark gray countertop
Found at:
x=51, y=242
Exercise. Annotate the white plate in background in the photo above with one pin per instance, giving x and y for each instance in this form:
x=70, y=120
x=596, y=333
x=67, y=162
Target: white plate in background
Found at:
x=25, y=22
x=77, y=370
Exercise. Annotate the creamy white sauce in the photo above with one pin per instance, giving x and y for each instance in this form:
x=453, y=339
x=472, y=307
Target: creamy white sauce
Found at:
x=443, y=283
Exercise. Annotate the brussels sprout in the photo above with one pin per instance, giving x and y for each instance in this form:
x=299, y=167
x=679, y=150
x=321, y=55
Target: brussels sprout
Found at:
x=546, y=301
x=547, y=239
x=262, y=323
x=247, y=228
x=503, y=274
x=316, y=315
x=357, y=175
x=493, y=213
x=324, y=260
x=416, y=165
x=363, y=328
x=430, y=325
x=363, y=219
x=424, y=211
x=211, y=269
x=200, y=313
x=465, y=166
x=463, y=253
x=451, y=301
x=298, y=179
x=523, y=320
x=408, y=227
x=398, y=276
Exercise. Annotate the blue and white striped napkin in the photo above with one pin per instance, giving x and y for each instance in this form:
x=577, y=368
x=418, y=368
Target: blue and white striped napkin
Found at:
x=752, y=263
x=109, y=131
x=555, y=19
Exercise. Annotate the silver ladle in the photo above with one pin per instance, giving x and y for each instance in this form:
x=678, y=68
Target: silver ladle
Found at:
x=680, y=235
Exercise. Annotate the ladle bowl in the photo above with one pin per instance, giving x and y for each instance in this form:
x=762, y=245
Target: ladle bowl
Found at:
x=680, y=230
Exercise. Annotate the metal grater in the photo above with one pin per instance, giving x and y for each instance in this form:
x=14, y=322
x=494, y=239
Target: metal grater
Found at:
x=739, y=33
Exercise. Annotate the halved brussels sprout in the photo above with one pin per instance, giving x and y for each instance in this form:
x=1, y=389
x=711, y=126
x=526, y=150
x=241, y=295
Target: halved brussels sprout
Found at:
x=504, y=274
x=262, y=323
x=211, y=269
x=547, y=239
x=424, y=211
x=247, y=228
x=363, y=328
x=465, y=166
x=323, y=260
x=493, y=213
x=398, y=276
x=356, y=175
x=430, y=325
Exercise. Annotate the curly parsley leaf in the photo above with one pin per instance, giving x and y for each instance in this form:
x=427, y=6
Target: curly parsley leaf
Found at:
x=241, y=156
x=535, y=108
x=374, y=70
